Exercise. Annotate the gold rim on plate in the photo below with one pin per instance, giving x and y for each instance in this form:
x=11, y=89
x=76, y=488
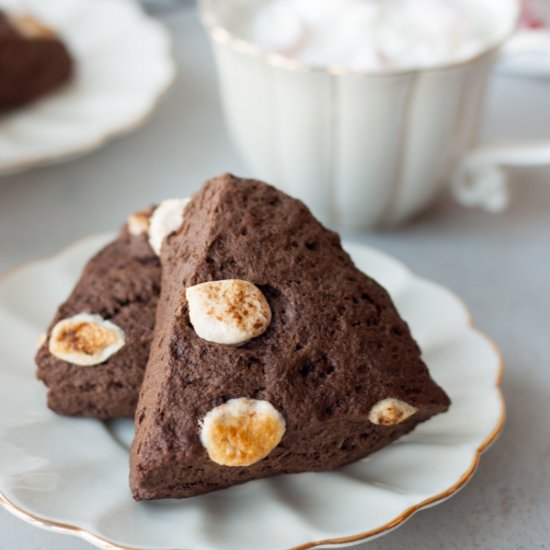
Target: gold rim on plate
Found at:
x=360, y=537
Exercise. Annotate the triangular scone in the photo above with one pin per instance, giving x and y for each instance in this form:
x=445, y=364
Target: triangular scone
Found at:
x=96, y=348
x=334, y=376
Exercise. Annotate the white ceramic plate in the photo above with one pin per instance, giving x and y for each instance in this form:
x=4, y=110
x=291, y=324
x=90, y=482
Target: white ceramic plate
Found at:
x=71, y=474
x=527, y=55
x=123, y=65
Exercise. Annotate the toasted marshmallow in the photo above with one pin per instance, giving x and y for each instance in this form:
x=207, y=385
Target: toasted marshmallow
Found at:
x=230, y=311
x=241, y=431
x=41, y=340
x=390, y=411
x=29, y=27
x=138, y=222
x=85, y=339
x=167, y=218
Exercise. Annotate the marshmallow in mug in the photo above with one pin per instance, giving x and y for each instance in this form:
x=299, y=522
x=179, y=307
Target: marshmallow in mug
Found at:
x=368, y=35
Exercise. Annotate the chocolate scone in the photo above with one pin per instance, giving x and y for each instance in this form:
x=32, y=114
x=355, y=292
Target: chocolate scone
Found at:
x=33, y=60
x=272, y=352
x=97, y=345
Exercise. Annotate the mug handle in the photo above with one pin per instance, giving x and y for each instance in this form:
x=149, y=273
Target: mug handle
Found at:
x=480, y=179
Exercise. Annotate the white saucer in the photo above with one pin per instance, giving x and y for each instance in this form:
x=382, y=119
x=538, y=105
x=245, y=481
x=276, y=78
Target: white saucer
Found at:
x=71, y=474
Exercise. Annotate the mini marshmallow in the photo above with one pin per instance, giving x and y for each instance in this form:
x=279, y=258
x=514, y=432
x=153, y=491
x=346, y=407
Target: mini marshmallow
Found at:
x=29, y=27
x=138, y=222
x=390, y=411
x=241, y=431
x=230, y=311
x=85, y=339
x=167, y=218
x=41, y=340
x=277, y=28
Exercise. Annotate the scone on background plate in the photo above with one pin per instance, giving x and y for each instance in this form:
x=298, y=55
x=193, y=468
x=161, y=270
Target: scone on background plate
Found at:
x=33, y=60
x=272, y=352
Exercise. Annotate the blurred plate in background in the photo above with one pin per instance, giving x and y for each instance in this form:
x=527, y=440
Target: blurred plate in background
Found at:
x=123, y=65
x=531, y=45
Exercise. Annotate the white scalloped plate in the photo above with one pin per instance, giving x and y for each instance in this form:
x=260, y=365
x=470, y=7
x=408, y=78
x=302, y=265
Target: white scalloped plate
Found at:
x=123, y=65
x=71, y=474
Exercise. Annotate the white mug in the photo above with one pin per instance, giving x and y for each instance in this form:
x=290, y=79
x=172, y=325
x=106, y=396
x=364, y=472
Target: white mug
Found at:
x=367, y=150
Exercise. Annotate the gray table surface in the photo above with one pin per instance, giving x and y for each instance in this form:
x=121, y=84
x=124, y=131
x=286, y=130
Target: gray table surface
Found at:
x=500, y=265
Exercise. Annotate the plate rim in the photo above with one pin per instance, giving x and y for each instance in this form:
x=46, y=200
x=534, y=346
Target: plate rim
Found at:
x=101, y=542
x=120, y=130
